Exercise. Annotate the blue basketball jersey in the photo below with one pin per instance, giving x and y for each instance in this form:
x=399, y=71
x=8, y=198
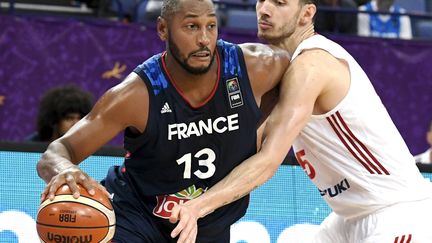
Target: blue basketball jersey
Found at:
x=185, y=150
x=389, y=28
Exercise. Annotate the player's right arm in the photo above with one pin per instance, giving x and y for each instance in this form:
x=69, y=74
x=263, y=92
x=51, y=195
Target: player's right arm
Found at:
x=125, y=105
x=314, y=83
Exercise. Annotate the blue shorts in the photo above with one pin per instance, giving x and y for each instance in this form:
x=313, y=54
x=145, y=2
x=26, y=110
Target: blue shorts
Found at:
x=135, y=221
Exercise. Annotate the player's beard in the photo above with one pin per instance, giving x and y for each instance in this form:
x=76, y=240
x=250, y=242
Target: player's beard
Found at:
x=175, y=52
x=282, y=33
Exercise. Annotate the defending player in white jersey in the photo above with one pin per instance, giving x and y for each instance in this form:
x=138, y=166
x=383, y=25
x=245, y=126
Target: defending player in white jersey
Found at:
x=343, y=137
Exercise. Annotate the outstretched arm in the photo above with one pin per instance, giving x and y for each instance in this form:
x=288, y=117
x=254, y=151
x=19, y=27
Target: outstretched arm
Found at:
x=301, y=87
x=112, y=113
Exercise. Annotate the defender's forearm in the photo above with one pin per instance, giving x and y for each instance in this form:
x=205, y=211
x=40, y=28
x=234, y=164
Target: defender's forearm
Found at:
x=243, y=179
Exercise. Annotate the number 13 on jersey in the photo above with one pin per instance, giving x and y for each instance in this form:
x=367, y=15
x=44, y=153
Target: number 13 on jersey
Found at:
x=206, y=157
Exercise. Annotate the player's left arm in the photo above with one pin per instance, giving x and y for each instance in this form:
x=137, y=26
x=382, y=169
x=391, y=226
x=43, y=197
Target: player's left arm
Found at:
x=301, y=86
x=266, y=66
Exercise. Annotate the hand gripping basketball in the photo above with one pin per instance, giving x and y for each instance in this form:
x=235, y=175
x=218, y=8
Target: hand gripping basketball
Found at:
x=89, y=218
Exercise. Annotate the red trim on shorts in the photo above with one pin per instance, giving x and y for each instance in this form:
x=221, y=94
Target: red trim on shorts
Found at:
x=402, y=240
x=172, y=81
x=351, y=141
x=409, y=238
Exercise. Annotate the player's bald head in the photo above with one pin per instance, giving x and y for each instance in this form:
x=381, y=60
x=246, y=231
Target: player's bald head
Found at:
x=169, y=8
x=172, y=7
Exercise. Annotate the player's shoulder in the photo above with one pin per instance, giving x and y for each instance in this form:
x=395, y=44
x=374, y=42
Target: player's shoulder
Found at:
x=254, y=47
x=131, y=88
x=263, y=50
x=265, y=56
x=318, y=66
x=132, y=81
x=126, y=98
x=316, y=58
x=266, y=66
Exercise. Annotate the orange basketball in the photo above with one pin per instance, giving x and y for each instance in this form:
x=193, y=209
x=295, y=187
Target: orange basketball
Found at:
x=66, y=219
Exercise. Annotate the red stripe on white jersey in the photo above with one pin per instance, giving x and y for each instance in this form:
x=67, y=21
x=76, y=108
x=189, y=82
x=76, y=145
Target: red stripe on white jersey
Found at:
x=348, y=147
x=362, y=145
x=355, y=146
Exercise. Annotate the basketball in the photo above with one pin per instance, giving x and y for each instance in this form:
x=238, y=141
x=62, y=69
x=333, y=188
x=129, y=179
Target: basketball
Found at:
x=66, y=219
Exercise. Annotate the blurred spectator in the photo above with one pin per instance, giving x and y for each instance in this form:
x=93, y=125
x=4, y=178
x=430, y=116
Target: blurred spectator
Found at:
x=426, y=157
x=384, y=25
x=88, y=3
x=60, y=108
x=334, y=21
x=125, y=9
x=153, y=9
x=361, y=2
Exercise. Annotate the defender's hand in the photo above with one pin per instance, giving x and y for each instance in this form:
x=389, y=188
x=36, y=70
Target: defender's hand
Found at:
x=187, y=227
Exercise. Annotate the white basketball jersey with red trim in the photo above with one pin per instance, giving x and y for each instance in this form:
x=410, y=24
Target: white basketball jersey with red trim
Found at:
x=354, y=154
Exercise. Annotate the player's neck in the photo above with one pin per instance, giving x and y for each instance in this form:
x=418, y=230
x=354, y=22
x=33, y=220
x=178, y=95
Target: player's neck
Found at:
x=195, y=88
x=300, y=34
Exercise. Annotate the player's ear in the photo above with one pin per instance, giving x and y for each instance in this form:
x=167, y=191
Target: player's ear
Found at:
x=162, y=28
x=307, y=13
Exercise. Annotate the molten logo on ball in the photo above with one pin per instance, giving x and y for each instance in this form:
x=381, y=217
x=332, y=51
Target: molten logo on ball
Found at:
x=69, y=239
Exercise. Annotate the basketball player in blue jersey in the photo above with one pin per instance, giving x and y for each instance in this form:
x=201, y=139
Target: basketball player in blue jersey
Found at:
x=342, y=136
x=190, y=115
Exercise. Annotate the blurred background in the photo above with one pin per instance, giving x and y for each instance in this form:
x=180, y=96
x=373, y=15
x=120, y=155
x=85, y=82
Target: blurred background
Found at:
x=92, y=45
